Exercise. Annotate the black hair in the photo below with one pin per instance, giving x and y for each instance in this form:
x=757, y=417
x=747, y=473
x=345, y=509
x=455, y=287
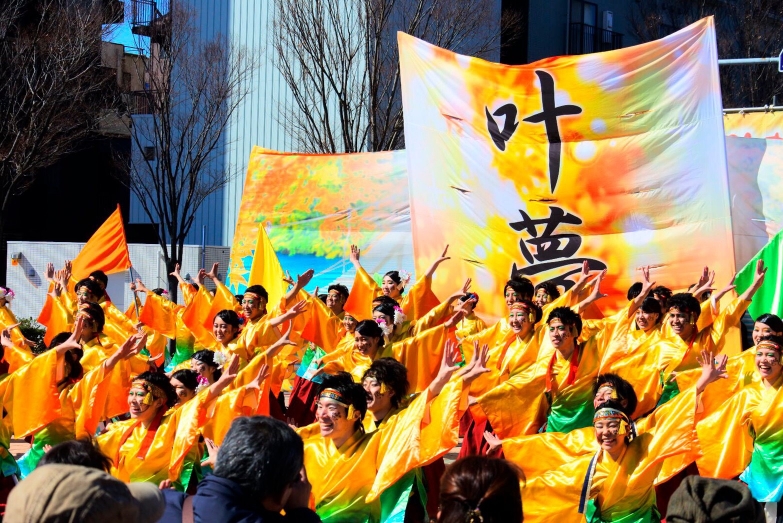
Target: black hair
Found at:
x=772, y=321
x=188, y=377
x=478, y=488
x=82, y=451
x=239, y=297
x=566, y=317
x=92, y=287
x=382, y=299
x=340, y=288
x=161, y=381
x=663, y=291
x=229, y=316
x=370, y=329
x=395, y=277
x=158, y=290
x=386, y=309
x=74, y=368
x=393, y=374
x=685, y=303
x=100, y=276
x=94, y=311
x=774, y=338
x=353, y=393
x=471, y=296
x=651, y=305
x=322, y=297
x=623, y=388
x=259, y=290
x=59, y=339
x=634, y=290
x=521, y=285
x=208, y=357
x=262, y=455
x=550, y=288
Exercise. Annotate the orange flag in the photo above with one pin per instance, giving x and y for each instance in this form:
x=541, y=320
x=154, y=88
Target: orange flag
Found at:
x=106, y=250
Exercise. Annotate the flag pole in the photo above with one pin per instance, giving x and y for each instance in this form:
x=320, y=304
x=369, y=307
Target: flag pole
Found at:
x=135, y=294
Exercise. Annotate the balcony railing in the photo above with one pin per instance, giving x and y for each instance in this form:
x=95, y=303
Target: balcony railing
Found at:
x=139, y=102
x=586, y=38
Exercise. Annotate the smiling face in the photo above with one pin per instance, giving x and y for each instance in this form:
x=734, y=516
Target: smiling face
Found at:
x=349, y=323
x=137, y=408
x=606, y=434
x=680, y=323
x=511, y=297
x=519, y=321
x=541, y=298
x=768, y=363
x=335, y=301
x=760, y=330
x=83, y=295
x=222, y=331
x=183, y=393
x=253, y=306
x=89, y=330
x=646, y=320
x=377, y=402
x=333, y=419
x=390, y=288
x=366, y=345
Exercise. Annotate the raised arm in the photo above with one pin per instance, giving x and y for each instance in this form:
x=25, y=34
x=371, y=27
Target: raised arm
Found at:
x=301, y=282
x=431, y=271
x=177, y=274
x=647, y=286
x=758, y=279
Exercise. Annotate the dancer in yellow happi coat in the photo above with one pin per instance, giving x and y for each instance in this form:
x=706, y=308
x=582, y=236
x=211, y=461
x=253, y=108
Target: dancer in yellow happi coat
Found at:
x=416, y=303
x=350, y=468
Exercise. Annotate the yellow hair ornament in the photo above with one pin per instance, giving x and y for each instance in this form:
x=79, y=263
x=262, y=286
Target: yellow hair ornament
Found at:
x=384, y=388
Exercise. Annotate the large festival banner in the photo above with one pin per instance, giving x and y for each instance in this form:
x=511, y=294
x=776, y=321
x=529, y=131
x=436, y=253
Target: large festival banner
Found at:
x=314, y=206
x=612, y=158
x=754, y=147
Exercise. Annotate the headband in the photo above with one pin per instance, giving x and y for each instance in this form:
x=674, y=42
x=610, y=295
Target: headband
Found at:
x=531, y=315
x=337, y=397
x=608, y=386
x=768, y=344
x=153, y=391
x=253, y=294
x=608, y=413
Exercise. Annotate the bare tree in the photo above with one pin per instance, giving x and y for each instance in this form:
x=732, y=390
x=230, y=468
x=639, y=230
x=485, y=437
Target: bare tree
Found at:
x=339, y=59
x=745, y=29
x=53, y=90
x=195, y=85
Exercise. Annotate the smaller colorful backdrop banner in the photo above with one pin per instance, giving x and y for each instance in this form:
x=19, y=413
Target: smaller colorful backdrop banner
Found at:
x=754, y=148
x=314, y=206
x=612, y=158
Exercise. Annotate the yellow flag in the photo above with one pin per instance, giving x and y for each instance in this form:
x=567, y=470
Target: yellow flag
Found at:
x=266, y=269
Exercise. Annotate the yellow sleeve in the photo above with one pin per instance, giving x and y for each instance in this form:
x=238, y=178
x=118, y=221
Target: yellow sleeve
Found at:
x=725, y=437
x=223, y=300
x=88, y=399
x=60, y=319
x=188, y=293
x=194, y=317
x=160, y=314
x=536, y=454
x=435, y=316
x=17, y=356
x=33, y=385
x=725, y=330
x=401, y=447
x=323, y=328
x=419, y=300
x=517, y=406
x=421, y=355
x=706, y=316
x=363, y=291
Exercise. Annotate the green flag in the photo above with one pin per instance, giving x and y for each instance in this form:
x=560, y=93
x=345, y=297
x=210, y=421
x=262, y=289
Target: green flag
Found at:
x=769, y=298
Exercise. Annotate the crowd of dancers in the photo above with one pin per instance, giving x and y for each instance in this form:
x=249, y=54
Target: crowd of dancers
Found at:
x=602, y=417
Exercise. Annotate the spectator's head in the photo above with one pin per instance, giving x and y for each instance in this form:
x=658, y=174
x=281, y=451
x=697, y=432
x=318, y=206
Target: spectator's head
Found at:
x=55, y=493
x=203, y=363
x=708, y=500
x=612, y=387
x=185, y=383
x=254, y=302
x=765, y=325
x=81, y=451
x=88, y=290
x=516, y=289
x=545, y=292
x=151, y=394
x=478, y=489
x=225, y=326
x=386, y=383
x=264, y=457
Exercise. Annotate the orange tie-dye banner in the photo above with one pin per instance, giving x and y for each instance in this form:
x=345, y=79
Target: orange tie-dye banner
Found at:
x=754, y=147
x=313, y=206
x=613, y=158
